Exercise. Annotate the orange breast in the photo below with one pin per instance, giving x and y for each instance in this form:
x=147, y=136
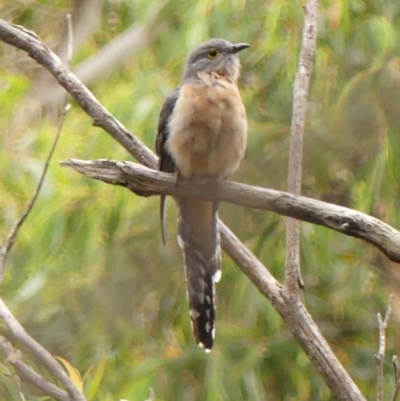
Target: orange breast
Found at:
x=208, y=128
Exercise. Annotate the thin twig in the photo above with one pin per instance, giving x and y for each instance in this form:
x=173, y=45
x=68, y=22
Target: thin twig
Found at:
x=396, y=375
x=28, y=375
x=6, y=248
x=293, y=277
x=70, y=39
x=380, y=357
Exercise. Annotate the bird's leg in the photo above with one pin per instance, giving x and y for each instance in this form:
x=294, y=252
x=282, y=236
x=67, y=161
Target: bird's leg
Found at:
x=208, y=182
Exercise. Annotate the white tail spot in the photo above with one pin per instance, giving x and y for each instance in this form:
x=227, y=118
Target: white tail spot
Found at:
x=180, y=242
x=217, y=276
x=194, y=314
x=206, y=350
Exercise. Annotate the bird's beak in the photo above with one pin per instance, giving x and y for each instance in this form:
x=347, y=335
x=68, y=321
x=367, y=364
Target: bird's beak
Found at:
x=239, y=46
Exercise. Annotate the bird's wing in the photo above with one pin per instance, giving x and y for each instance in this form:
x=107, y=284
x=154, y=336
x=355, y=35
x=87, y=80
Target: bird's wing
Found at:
x=166, y=163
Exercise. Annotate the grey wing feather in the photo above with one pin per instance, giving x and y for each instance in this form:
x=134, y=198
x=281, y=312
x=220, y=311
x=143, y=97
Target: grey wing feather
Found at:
x=166, y=163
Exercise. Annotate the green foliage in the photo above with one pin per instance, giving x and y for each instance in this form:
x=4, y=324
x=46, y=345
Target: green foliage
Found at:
x=89, y=277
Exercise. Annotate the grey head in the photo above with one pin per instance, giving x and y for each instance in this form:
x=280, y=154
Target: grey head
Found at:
x=215, y=55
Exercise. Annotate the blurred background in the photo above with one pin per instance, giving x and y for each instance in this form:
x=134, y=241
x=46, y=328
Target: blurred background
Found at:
x=89, y=277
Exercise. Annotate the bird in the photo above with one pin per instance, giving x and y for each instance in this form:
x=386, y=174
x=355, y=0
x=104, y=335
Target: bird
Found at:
x=202, y=133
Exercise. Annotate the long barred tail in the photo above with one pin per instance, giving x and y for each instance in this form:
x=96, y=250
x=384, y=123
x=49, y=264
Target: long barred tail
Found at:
x=199, y=239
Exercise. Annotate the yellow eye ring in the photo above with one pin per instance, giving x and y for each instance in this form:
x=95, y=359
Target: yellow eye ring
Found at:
x=212, y=53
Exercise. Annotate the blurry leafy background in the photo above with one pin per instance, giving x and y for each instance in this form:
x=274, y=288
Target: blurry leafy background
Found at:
x=89, y=277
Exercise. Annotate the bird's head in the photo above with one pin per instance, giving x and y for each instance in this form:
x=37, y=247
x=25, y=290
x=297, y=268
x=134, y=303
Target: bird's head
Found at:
x=215, y=55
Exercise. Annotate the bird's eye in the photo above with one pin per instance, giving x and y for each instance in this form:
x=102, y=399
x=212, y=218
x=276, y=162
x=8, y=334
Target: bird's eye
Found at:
x=212, y=53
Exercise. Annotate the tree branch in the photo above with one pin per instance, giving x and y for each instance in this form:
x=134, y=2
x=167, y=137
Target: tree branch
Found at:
x=293, y=279
x=144, y=181
x=28, y=375
x=380, y=357
x=396, y=375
